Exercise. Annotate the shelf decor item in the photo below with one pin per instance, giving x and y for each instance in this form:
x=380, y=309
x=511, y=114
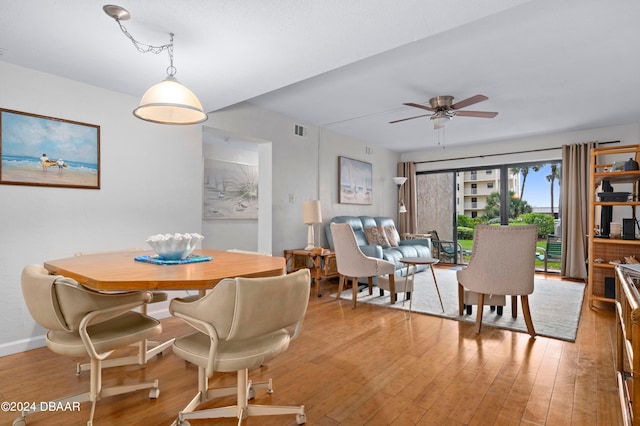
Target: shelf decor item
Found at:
x=631, y=164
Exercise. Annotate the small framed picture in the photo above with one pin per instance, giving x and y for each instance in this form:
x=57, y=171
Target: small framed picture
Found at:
x=45, y=151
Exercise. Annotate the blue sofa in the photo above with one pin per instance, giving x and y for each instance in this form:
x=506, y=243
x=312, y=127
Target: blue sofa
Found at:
x=405, y=248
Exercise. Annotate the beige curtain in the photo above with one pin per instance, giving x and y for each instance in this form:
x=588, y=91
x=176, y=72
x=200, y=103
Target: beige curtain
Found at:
x=407, y=222
x=575, y=208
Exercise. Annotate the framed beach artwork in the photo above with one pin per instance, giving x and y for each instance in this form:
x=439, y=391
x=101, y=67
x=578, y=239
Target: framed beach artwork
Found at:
x=45, y=151
x=355, y=180
x=230, y=190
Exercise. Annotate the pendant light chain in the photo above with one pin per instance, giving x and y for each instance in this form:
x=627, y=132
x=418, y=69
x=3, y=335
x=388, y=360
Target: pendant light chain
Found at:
x=147, y=48
x=167, y=102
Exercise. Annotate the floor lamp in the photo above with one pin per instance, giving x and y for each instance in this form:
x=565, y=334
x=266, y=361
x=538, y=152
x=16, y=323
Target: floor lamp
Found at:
x=400, y=181
x=311, y=215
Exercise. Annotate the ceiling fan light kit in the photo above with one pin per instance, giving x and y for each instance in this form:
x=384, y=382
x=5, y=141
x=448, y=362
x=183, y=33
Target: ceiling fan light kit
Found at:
x=167, y=102
x=444, y=110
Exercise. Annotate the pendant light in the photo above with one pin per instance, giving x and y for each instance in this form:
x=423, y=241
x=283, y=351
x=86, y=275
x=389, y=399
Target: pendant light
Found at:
x=167, y=102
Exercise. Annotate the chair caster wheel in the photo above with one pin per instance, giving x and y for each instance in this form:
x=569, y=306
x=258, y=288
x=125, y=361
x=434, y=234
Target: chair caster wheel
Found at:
x=21, y=421
x=154, y=393
x=252, y=393
x=469, y=309
x=499, y=310
x=301, y=419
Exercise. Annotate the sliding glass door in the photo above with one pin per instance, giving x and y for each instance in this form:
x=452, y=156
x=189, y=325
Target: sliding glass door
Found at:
x=452, y=202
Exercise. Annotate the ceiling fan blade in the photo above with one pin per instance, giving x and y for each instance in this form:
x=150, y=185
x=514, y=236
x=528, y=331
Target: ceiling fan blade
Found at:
x=410, y=118
x=411, y=104
x=481, y=114
x=469, y=101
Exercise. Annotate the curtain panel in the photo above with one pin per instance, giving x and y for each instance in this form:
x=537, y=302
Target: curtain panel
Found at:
x=575, y=208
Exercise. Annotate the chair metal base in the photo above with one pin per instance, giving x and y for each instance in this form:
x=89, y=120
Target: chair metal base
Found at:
x=245, y=390
x=95, y=393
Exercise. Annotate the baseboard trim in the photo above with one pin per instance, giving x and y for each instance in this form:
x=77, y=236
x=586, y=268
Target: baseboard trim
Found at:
x=23, y=345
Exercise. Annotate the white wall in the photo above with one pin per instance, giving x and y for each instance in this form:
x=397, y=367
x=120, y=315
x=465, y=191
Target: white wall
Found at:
x=150, y=183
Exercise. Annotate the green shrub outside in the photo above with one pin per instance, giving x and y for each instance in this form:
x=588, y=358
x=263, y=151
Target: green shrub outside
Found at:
x=466, y=221
x=465, y=233
x=544, y=221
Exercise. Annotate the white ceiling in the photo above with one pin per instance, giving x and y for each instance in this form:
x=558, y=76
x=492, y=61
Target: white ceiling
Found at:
x=547, y=66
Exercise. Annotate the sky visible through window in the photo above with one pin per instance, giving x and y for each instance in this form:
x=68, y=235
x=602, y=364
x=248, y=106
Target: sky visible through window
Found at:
x=537, y=189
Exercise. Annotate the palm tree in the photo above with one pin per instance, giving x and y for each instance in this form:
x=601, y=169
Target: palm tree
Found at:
x=555, y=174
x=525, y=171
x=517, y=206
x=492, y=208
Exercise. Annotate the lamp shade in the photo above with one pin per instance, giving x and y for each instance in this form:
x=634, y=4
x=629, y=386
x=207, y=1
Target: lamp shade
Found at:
x=169, y=102
x=399, y=180
x=311, y=212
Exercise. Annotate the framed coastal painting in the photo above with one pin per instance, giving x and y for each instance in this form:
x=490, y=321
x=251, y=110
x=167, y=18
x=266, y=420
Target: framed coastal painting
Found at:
x=355, y=181
x=45, y=151
x=230, y=190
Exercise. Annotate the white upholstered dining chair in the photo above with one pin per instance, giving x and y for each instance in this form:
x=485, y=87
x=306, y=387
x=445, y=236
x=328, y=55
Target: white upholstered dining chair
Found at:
x=146, y=349
x=82, y=322
x=502, y=264
x=241, y=324
x=352, y=263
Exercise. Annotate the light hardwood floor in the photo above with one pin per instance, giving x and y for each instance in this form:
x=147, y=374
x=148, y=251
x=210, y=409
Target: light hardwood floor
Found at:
x=368, y=366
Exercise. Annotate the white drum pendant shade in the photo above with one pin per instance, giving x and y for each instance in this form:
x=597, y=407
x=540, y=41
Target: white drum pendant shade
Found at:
x=169, y=102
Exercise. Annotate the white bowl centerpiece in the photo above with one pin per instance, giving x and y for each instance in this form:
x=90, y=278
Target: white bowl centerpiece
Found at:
x=174, y=246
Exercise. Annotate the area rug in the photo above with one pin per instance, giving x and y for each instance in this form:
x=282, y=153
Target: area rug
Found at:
x=555, y=304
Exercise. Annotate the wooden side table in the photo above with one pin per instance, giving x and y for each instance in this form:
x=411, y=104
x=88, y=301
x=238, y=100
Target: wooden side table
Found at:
x=321, y=266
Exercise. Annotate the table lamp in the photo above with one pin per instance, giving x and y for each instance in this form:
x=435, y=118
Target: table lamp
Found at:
x=311, y=215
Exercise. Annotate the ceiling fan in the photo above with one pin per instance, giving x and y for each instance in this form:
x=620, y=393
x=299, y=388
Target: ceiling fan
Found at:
x=444, y=109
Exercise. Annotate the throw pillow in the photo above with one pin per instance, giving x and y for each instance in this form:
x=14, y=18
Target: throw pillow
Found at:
x=375, y=235
x=390, y=232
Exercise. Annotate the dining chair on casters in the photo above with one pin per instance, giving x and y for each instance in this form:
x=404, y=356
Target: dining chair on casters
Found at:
x=241, y=324
x=146, y=349
x=81, y=322
x=502, y=264
x=352, y=263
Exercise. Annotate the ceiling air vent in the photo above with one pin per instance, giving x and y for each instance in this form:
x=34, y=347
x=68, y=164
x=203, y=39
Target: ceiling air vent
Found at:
x=298, y=130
